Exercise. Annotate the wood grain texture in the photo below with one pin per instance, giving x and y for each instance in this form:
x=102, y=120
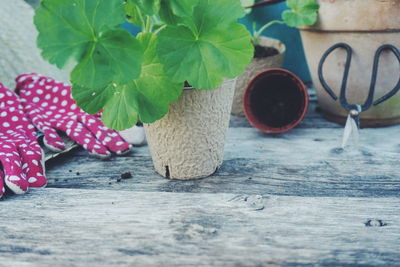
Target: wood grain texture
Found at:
x=303, y=162
x=120, y=228
x=293, y=199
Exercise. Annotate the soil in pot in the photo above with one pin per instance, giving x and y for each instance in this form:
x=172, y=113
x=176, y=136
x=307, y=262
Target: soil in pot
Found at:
x=264, y=52
x=276, y=105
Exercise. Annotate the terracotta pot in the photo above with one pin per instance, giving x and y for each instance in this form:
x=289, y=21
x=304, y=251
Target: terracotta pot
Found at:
x=365, y=25
x=256, y=66
x=188, y=143
x=275, y=101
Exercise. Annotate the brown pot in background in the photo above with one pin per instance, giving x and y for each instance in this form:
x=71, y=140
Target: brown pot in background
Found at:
x=256, y=66
x=365, y=25
x=275, y=101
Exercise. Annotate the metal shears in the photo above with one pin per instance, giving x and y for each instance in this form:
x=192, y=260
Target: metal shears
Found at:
x=354, y=110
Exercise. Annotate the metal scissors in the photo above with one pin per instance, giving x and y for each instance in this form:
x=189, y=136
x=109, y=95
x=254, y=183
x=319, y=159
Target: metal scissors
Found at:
x=354, y=109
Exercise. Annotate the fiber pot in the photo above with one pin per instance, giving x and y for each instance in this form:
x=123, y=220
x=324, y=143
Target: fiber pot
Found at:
x=275, y=101
x=256, y=66
x=188, y=143
x=365, y=25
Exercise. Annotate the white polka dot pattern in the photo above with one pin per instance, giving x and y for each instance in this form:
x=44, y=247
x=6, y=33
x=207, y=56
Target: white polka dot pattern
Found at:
x=50, y=106
x=20, y=153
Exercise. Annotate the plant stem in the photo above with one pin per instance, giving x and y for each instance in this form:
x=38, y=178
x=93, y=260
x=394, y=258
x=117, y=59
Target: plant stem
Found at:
x=148, y=24
x=258, y=33
x=160, y=29
x=141, y=19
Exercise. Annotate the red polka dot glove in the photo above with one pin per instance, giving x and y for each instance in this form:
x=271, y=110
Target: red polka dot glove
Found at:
x=50, y=107
x=21, y=157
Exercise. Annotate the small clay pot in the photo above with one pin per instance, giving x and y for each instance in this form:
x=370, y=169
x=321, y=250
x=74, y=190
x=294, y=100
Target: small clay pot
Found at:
x=188, y=143
x=256, y=66
x=275, y=101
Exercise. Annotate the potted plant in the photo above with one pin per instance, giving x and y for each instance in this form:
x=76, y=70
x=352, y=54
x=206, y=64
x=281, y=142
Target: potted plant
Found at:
x=142, y=78
x=269, y=53
x=365, y=25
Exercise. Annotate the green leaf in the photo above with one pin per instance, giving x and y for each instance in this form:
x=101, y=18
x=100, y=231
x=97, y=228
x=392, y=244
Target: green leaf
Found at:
x=149, y=7
x=114, y=58
x=216, y=48
x=120, y=112
x=107, y=56
x=133, y=14
x=92, y=100
x=210, y=13
x=302, y=4
x=303, y=13
x=181, y=8
x=66, y=27
x=148, y=97
x=172, y=11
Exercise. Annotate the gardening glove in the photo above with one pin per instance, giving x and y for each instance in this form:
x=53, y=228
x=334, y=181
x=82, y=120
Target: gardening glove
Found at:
x=49, y=105
x=21, y=157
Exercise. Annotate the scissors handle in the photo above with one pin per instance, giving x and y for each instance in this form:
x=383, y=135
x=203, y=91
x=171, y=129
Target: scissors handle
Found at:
x=370, y=99
x=392, y=92
x=343, y=87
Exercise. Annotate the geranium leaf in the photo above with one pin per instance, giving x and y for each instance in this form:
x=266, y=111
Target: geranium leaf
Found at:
x=149, y=7
x=216, y=48
x=112, y=59
x=88, y=31
x=172, y=11
x=303, y=13
x=208, y=13
x=148, y=97
x=92, y=100
x=302, y=4
x=120, y=112
x=182, y=8
x=67, y=26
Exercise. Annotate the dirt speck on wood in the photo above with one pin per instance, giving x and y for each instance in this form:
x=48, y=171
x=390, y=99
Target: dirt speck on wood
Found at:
x=126, y=175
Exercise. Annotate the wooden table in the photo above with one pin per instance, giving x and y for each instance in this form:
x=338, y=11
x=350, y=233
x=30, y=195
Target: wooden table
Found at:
x=290, y=199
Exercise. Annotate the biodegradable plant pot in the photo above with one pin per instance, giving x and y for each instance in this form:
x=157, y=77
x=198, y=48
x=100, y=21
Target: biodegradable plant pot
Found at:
x=365, y=25
x=256, y=66
x=275, y=101
x=188, y=143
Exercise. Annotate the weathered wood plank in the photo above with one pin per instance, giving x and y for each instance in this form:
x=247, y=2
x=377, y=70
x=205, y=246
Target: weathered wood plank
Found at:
x=303, y=162
x=57, y=227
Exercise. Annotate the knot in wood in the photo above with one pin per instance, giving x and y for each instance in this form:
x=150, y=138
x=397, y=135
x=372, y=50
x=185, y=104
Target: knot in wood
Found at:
x=375, y=223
